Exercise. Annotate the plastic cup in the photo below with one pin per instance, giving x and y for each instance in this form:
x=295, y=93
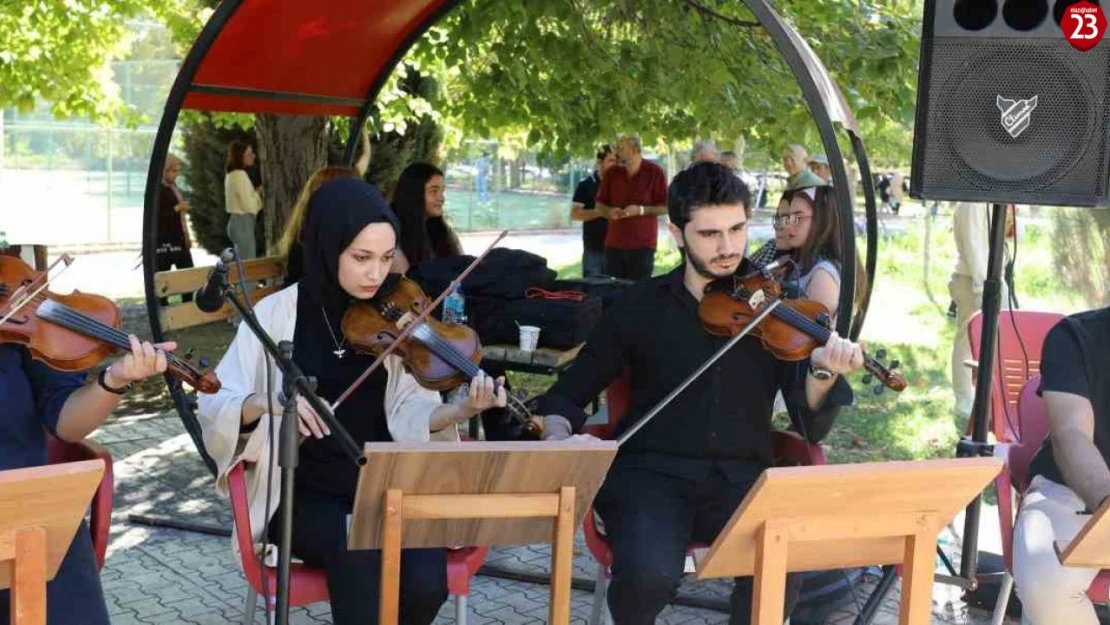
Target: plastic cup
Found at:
x=529, y=338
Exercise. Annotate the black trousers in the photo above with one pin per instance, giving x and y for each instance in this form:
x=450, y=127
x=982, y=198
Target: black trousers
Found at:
x=635, y=265
x=74, y=596
x=650, y=520
x=354, y=577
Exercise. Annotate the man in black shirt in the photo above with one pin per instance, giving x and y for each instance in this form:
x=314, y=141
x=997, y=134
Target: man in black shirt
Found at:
x=594, y=222
x=680, y=478
x=1070, y=476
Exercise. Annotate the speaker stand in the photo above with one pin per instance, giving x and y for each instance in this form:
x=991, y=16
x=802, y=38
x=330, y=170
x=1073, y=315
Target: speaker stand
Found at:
x=977, y=445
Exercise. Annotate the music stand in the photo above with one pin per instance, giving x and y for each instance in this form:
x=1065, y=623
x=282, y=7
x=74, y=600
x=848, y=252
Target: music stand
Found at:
x=40, y=510
x=1090, y=548
x=512, y=493
x=847, y=515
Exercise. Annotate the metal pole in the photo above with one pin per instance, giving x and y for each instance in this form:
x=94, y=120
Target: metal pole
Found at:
x=979, y=426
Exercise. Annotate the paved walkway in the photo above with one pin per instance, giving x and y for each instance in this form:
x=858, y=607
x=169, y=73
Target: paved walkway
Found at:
x=159, y=575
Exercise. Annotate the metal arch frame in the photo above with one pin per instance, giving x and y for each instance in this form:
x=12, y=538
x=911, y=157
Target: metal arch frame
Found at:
x=181, y=86
x=847, y=324
x=387, y=69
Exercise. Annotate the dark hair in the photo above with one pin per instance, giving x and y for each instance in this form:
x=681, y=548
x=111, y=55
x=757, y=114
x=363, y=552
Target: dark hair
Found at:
x=235, y=153
x=823, y=240
x=421, y=237
x=604, y=151
x=704, y=184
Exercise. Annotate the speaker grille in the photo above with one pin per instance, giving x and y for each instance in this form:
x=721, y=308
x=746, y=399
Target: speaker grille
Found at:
x=1060, y=157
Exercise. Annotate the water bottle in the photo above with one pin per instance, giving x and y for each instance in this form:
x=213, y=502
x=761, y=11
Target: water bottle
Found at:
x=945, y=544
x=454, y=307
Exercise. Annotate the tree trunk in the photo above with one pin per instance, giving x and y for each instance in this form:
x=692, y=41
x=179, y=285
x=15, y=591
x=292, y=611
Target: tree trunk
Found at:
x=290, y=149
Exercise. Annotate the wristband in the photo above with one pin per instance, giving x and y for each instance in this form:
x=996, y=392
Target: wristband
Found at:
x=100, y=379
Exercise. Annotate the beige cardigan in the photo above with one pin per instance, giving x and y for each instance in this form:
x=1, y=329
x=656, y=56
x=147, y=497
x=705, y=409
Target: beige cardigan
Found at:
x=242, y=371
x=240, y=196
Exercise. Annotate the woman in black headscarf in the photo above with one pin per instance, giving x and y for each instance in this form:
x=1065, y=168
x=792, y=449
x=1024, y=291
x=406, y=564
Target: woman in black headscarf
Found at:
x=349, y=240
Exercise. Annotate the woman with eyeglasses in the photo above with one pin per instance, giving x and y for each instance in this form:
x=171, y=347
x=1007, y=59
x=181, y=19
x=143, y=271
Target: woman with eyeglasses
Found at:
x=807, y=229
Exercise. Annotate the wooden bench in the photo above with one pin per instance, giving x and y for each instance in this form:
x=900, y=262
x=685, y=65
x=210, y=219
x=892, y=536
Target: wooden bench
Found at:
x=32, y=254
x=176, y=282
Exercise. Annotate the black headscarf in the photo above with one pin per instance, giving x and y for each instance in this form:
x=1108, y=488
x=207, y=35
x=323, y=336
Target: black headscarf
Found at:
x=337, y=212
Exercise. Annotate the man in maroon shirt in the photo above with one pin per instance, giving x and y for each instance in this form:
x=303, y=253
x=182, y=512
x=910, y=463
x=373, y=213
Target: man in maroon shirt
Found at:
x=632, y=196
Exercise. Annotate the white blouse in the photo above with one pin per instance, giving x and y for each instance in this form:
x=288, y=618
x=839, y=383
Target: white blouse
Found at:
x=242, y=371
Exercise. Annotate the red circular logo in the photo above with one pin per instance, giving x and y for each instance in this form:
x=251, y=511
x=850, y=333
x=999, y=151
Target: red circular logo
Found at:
x=1083, y=25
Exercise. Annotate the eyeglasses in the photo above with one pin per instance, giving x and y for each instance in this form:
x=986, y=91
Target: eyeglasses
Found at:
x=782, y=221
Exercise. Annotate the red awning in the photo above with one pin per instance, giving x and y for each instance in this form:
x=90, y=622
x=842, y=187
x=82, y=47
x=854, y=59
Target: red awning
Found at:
x=305, y=57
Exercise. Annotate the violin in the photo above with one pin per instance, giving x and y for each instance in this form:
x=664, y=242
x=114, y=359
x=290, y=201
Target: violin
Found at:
x=72, y=332
x=439, y=355
x=792, y=330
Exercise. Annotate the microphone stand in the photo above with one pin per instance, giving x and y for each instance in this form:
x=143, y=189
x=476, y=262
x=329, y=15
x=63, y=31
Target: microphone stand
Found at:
x=294, y=384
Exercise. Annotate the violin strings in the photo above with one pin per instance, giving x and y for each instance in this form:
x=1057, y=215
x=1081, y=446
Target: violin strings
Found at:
x=458, y=360
x=816, y=330
x=84, y=324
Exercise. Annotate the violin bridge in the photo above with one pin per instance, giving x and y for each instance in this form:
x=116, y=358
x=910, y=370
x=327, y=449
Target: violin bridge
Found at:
x=757, y=299
x=405, y=320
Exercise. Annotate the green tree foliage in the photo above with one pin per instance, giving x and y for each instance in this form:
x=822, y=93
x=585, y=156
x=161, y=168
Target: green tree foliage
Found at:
x=58, y=51
x=1086, y=272
x=421, y=140
x=572, y=71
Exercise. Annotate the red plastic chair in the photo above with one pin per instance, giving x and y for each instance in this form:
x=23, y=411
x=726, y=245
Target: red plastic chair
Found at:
x=100, y=510
x=789, y=448
x=308, y=584
x=1015, y=329
x=1032, y=423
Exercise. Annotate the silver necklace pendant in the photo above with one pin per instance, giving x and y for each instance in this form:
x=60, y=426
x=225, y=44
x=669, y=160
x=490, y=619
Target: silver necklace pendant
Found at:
x=338, y=351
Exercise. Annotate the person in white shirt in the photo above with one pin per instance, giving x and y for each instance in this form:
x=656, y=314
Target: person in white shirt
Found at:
x=349, y=239
x=972, y=234
x=241, y=199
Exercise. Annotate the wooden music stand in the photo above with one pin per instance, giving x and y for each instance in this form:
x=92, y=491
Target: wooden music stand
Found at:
x=1090, y=549
x=40, y=510
x=444, y=494
x=844, y=516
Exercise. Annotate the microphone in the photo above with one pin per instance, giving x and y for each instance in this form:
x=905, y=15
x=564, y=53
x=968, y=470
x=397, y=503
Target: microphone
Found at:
x=210, y=297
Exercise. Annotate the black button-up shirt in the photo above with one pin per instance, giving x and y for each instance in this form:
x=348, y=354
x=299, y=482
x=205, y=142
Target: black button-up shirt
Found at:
x=723, y=418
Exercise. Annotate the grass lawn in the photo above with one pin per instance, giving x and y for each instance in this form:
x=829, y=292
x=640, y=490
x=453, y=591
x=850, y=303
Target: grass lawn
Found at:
x=907, y=317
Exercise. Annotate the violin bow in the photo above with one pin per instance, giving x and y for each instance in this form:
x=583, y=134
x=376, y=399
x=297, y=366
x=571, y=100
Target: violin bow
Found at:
x=695, y=375
x=412, y=325
x=66, y=258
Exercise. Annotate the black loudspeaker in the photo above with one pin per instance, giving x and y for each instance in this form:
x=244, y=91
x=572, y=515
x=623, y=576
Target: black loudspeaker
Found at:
x=1007, y=110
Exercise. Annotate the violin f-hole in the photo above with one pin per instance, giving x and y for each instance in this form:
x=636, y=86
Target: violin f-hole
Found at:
x=18, y=321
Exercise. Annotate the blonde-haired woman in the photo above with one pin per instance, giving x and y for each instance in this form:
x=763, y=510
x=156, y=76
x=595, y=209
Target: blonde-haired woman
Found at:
x=173, y=233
